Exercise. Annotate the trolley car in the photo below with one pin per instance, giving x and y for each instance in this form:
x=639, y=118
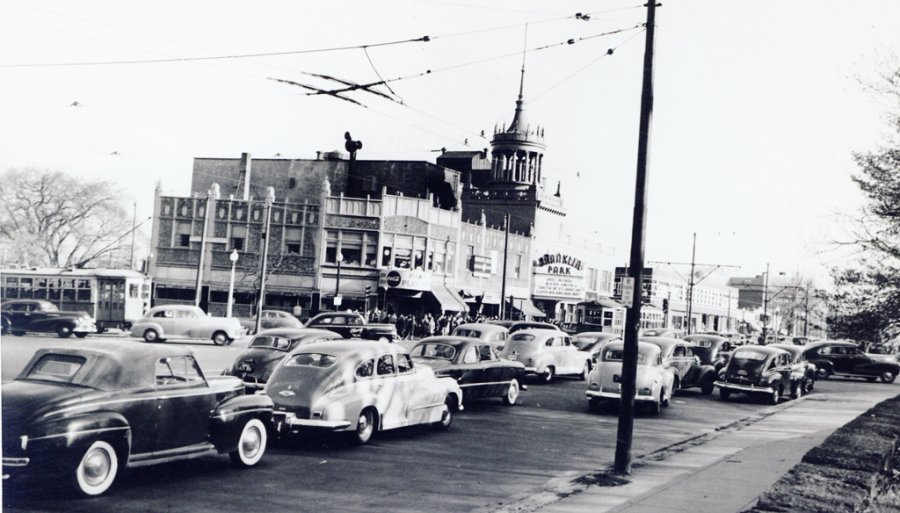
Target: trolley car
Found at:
x=113, y=297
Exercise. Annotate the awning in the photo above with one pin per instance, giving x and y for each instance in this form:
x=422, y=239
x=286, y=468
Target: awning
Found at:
x=490, y=298
x=603, y=302
x=527, y=307
x=448, y=299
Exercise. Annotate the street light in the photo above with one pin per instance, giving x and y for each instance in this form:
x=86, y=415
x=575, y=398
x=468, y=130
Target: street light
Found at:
x=264, y=242
x=234, y=258
x=337, y=284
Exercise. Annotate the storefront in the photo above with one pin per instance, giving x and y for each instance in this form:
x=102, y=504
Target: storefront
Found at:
x=414, y=291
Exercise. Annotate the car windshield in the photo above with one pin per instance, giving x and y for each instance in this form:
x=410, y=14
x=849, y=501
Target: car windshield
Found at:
x=702, y=342
x=320, y=360
x=441, y=351
x=584, y=342
x=272, y=342
x=56, y=367
x=616, y=355
x=467, y=332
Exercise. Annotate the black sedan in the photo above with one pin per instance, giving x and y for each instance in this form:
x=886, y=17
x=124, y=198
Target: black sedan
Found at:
x=761, y=371
x=474, y=364
x=268, y=347
x=711, y=349
x=85, y=412
x=804, y=370
x=353, y=325
x=835, y=358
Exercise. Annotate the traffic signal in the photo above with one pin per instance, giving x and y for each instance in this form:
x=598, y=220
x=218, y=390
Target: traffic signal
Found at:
x=665, y=305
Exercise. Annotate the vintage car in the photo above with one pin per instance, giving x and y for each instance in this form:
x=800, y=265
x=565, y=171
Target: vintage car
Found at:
x=663, y=332
x=654, y=384
x=353, y=325
x=593, y=341
x=758, y=371
x=547, y=353
x=268, y=347
x=689, y=372
x=804, y=370
x=185, y=321
x=89, y=411
x=524, y=325
x=712, y=349
x=270, y=319
x=358, y=387
x=836, y=358
x=19, y=316
x=494, y=334
x=474, y=364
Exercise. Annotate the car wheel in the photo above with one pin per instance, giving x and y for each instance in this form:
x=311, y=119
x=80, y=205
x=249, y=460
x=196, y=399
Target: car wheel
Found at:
x=810, y=384
x=18, y=333
x=81, y=335
x=586, y=372
x=656, y=406
x=512, y=393
x=775, y=396
x=797, y=390
x=151, y=335
x=823, y=373
x=64, y=331
x=365, y=426
x=220, y=338
x=97, y=469
x=662, y=399
x=724, y=394
x=888, y=377
x=707, y=386
x=251, y=444
x=446, y=416
x=547, y=376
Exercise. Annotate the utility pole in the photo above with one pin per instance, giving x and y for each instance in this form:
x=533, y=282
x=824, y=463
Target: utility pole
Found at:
x=133, y=230
x=636, y=262
x=211, y=195
x=690, y=305
x=806, y=314
x=264, y=242
x=503, y=284
x=765, y=307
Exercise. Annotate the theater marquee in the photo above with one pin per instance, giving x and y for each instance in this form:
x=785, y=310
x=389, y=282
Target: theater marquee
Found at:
x=558, y=276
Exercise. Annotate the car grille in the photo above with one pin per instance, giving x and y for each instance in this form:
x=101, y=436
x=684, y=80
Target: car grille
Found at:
x=300, y=412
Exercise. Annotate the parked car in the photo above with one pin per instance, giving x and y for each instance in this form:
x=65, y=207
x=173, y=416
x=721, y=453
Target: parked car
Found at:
x=654, y=384
x=593, y=341
x=836, y=358
x=358, y=387
x=353, y=325
x=547, y=353
x=524, y=325
x=270, y=319
x=712, y=349
x=474, y=364
x=89, y=411
x=505, y=323
x=680, y=357
x=19, y=316
x=185, y=321
x=804, y=371
x=494, y=334
x=670, y=333
x=268, y=347
x=757, y=371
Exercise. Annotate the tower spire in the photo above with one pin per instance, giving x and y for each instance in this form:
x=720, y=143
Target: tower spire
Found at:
x=522, y=78
x=518, y=123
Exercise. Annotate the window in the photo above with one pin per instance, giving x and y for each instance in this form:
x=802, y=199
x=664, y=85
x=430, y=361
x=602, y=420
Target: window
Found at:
x=238, y=237
x=385, y=365
x=133, y=290
x=11, y=288
x=56, y=367
x=679, y=352
x=26, y=291
x=470, y=258
x=486, y=354
x=517, y=270
x=403, y=252
x=183, y=235
x=292, y=238
x=404, y=363
x=365, y=369
x=311, y=360
x=177, y=370
x=471, y=355
x=164, y=313
x=280, y=343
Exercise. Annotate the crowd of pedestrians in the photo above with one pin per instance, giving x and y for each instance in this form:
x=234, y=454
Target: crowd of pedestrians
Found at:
x=411, y=326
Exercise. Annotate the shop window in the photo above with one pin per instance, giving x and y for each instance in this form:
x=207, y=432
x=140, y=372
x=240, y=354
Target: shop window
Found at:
x=419, y=260
x=183, y=235
x=370, y=248
x=402, y=258
x=238, y=237
x=386, y=254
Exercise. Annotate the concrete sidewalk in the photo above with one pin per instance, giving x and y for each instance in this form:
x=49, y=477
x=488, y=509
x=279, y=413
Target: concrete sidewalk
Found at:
x=721, y=471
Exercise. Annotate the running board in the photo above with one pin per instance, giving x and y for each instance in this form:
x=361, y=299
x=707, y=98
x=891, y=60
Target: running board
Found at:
x=181, y=453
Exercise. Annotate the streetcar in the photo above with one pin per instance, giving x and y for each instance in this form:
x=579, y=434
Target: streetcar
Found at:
x=115, y=298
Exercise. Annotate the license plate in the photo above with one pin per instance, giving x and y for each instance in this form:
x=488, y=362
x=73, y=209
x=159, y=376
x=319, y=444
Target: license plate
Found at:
x=513, y=357
x=245, y=368
x=616, y=378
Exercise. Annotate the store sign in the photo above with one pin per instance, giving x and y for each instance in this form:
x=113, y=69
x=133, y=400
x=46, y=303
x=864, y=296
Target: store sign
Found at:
x=481, y=266
x=627, y=291
x=558, y=275
x=409, y=279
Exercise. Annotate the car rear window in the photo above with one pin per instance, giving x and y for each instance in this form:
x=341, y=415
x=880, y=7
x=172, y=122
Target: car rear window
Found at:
x=442, y=351
x=56, y=367
x=583, y=342
x=280, y=343
x=749, y=354
x=320, y=360
x=702, y=343
x=522, y=337
x=616, y=355
x=467, y=332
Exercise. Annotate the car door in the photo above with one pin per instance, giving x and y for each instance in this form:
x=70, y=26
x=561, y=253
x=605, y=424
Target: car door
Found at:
x=416, y=401
x=855, y=359
x=691, y=366
x=571, y=354
x=839, y=358
x=18, y=315
x=471, y=377
x=495, y=374
x=679, y=363
x=184, y=403
x=165, y=318
x=384, y=385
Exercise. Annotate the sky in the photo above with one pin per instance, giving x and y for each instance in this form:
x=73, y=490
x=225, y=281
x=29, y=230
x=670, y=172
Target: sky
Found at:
x=759, y=105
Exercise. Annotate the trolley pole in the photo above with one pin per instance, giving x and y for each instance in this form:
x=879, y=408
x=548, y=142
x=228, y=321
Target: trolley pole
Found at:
x=263, y=263
x=503, y=284
x=636, y=264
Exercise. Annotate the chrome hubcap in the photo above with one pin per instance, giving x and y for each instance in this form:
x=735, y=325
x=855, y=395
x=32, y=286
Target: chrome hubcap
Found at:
x=364, y=426
x=96, y=467
x=251, y=443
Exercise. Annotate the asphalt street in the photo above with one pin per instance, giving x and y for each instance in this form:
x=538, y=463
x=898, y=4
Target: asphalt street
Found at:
x=493, y=454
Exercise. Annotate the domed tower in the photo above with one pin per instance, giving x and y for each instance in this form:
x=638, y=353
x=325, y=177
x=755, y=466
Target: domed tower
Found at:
x=517, y=150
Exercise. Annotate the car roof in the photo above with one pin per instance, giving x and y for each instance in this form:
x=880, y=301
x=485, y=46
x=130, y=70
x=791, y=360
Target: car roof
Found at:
x=791, y=348
x=482, y=326
x=665, y=343
x=598, y=334
x=642, y=346
x=174, y=307
x=451, y=340
x=816, y=345
x=114, y=365
x=348, y=348
x=296, y=332
x=538, y=332
x=767, y=349
x=705, y=336
x=536, y=324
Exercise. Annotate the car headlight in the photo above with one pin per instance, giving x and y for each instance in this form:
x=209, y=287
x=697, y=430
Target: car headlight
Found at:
x=594, y=386
x=645, y=391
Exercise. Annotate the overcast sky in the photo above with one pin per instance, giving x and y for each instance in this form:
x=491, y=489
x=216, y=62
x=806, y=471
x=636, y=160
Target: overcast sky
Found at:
x=758, y=103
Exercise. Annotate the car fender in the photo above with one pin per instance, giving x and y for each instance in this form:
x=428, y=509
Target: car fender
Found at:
x=876, y=368
x=138, y=329
x=51, y=323
x=230, y=415
x=824, y=364
x=70, y=434
x=453, y=390
x=707, y=372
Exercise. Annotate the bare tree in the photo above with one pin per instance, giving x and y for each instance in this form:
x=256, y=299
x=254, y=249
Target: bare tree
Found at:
x=55, y=219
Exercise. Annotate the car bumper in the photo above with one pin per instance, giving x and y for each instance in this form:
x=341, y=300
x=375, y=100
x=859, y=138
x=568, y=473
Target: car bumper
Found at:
x=744, y=388
x=591, y=394
x=289, y=420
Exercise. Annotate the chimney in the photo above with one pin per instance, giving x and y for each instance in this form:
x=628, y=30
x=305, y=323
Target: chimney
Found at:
x=244, y=180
